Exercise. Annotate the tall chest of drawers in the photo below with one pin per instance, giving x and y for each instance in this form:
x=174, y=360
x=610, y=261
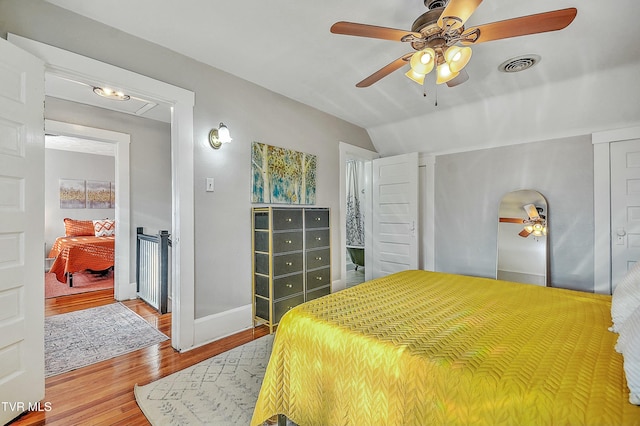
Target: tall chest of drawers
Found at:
x=291, y=259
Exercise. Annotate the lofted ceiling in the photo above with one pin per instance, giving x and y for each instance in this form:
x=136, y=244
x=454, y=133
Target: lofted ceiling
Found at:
x=286, y=46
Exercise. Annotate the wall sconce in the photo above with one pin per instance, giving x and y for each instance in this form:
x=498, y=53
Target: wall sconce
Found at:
x=219, y=136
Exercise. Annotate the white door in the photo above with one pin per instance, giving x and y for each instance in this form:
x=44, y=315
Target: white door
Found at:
x=395, y=214
x=625, y=207
x=21, y=231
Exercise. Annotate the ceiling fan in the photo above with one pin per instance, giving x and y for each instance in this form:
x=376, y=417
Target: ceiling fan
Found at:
x=437, y=34
x=535, y=224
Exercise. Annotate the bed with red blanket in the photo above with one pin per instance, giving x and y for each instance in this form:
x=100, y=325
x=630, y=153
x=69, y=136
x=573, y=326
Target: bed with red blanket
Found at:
x=87, y=246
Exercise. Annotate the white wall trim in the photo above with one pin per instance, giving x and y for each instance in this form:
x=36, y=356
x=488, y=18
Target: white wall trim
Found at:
x=428, y=235
x=214, y=327
x=348, y=151
x=616, y=135
x=123, y=288
x=602, y=203
x=70, y=65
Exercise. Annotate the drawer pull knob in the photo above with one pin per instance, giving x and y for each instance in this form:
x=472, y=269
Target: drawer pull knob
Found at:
x=318, y=258
x=289, y=286
x=318, y=219
x=288, y=219
x=288, y=241
x=319, y=278
x=318, y=239
x=289, y=263
x=289, y=308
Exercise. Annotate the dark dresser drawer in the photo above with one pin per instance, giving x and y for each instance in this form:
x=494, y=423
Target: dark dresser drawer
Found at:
x=317, y=238
x=287, y=241
x=261, y=220
x=261, y=241
x=284, y=264
x=284, y=219
x=261, y=263
x=318, y=293
x=287, y=286
x=262, y=285
x=283, y=306
x=318, y=278
x=262, y=307
x=316, y=218
x=318, y=258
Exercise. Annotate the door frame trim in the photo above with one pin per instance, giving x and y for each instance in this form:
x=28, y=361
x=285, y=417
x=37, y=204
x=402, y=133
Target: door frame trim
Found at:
x=124, y=288
x=602, y=203
x=71, y=65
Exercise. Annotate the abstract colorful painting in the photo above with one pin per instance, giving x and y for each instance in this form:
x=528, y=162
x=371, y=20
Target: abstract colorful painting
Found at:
x=113, y=194
x=98, y=194
x=282, y=175
x=72, y=194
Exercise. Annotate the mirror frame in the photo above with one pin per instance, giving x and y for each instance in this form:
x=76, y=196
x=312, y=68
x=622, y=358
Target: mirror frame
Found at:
x=510, y=210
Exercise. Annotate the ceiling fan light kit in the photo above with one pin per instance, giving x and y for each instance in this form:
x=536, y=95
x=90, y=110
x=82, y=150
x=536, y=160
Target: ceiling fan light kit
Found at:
x=445, y=74
x=440, y=39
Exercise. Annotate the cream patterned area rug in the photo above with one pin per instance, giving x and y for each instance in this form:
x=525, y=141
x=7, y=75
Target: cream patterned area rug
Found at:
x=85, y=337
x=221, y=390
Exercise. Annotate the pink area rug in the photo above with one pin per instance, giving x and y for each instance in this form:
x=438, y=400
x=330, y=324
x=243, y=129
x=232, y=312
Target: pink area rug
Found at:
x=82, y=283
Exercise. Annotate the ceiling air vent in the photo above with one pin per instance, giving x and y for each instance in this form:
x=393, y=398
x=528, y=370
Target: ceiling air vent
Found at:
x=519, y=63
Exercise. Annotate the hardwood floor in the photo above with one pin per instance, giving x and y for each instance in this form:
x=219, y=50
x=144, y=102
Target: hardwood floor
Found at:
x=102, y=394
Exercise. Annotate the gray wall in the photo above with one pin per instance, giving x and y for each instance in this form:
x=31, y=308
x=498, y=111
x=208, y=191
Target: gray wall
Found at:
x=222, y=219
x=470, y=185
x=60, y=164
x=149, y=157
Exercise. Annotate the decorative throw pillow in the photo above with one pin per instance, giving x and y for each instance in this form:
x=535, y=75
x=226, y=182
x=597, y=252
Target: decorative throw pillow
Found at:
x=630, y=345
x=104, y=228
x=626, y=297
x=78, y=228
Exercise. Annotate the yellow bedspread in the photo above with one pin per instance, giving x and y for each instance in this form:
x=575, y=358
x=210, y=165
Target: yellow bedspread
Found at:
x=426, y=348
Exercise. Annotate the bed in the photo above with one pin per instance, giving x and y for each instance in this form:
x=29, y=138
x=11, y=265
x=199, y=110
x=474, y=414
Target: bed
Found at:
x=86, y=246
x=427, y=348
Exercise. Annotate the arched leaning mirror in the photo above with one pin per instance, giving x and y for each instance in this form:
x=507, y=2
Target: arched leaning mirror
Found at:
x=522, y=238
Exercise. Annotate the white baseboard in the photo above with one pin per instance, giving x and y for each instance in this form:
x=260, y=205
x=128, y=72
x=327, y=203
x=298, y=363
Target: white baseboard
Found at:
x=126, y=291
x=338, y=285
x=217, y=326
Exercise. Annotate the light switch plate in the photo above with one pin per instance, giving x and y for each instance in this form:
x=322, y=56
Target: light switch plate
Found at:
x=210, y=185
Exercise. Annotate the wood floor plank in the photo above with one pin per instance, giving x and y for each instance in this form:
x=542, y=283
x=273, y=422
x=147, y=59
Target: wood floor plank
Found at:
x=102, y=393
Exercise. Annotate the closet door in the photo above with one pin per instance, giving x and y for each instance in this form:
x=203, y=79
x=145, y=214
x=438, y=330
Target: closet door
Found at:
x=395, y=214
x=625, y=207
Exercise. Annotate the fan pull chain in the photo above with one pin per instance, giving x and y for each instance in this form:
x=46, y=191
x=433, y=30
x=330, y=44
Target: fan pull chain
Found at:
x=436, y=95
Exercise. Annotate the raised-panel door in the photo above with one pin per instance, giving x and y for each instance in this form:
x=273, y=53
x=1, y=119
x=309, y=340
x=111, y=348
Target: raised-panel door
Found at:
x=625, y=207
x=21, y=231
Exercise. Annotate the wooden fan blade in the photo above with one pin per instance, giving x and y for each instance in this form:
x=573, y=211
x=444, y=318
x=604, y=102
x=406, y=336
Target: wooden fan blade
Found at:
x=457, y=12
x=372, y=31
x=524, y=25
x=385, y=71
x=524, y=233
x=511, y=220
x=459, y=79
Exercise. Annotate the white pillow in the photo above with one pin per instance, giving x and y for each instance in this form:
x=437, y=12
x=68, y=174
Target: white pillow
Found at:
x=629, y=342
x=626, y=297
x=104, y=228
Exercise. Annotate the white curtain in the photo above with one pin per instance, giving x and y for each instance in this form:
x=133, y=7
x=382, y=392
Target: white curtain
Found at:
x=355, y=219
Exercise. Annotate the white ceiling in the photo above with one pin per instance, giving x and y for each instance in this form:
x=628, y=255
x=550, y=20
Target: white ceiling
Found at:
x=286, y=46
x=72, y=90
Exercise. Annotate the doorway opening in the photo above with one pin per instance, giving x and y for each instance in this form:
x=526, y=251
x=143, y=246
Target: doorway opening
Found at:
x=79, y=194
x=80, y=68
x=355, y=221
x=100, y=140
